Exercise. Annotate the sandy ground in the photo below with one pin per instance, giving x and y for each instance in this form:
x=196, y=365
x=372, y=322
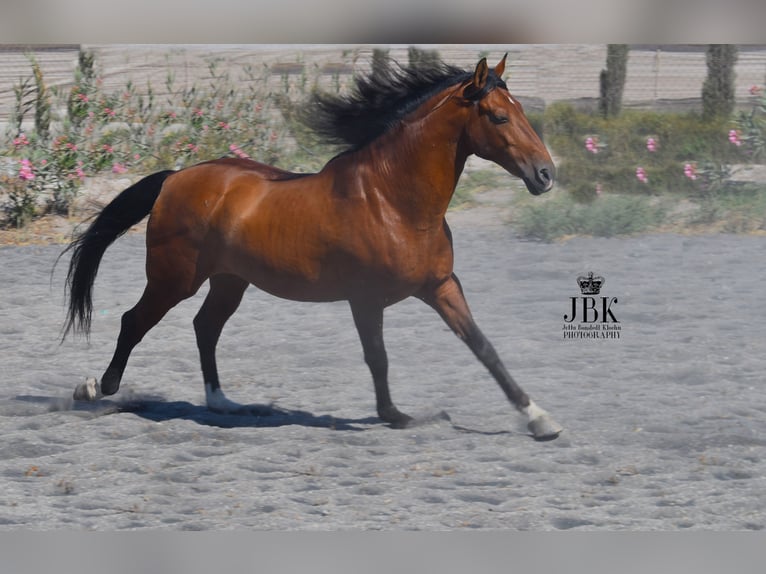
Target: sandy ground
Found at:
x=665, y=427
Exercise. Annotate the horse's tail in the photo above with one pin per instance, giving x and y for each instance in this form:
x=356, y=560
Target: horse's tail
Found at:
x=87, y=248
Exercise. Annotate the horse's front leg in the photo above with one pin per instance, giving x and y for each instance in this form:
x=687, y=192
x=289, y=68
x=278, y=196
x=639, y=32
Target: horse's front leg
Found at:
x=448, y=300
x=368, y=318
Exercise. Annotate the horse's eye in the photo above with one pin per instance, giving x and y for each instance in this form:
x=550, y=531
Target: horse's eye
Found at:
x=498, y=119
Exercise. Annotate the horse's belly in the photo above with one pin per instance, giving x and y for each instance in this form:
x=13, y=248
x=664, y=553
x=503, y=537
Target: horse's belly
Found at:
x=324, y=283
x=296, y=287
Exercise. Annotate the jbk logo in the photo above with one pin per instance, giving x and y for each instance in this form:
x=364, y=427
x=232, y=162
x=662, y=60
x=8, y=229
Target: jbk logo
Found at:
x=592, y=311
x=596, y=315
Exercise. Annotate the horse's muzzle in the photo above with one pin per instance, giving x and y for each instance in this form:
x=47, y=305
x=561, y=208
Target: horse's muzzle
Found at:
x=542, y=180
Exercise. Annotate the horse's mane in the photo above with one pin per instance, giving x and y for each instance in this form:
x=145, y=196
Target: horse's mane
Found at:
x=379, y=100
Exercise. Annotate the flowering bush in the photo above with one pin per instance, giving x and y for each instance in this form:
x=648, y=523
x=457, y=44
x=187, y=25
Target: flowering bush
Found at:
x=20, y=203
x=640, y=151
x=128, y=131
x=751, y=126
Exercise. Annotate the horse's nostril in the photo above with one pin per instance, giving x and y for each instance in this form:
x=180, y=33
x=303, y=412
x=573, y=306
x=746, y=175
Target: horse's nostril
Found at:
x=544, y=177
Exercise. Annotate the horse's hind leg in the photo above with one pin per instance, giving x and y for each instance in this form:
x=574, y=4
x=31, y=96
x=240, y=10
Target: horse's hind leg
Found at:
x=158, y=298
x=448, y=300
x=154, y=304
x=368, y=319
x=222, y=300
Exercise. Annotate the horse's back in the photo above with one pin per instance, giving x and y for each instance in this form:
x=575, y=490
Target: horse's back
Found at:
x=263, y=170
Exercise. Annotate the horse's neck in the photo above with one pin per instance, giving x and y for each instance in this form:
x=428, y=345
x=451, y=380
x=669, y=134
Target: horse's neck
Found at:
x=416, y=166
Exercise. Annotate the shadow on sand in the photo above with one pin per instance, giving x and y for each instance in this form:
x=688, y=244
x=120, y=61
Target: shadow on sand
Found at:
x=159, y=410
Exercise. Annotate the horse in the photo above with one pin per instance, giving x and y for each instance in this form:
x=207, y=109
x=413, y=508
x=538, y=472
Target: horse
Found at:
x=368, y=228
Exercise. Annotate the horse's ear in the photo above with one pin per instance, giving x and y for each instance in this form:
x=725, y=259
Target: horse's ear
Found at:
x=479, y=80
x=500, y=68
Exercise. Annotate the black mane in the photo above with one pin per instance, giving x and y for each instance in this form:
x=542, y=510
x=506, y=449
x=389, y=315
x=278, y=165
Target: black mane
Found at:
x=379, y=100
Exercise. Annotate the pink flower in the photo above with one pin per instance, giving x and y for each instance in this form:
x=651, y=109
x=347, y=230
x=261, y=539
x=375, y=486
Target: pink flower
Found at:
x=238, y=152
x=734, y=138
x=690, y=171
x=591, y=144
x=599, y=191
x=119, y=168
x=21, y=140
x=755, y=90
x=641, y=175
x=223, y=125
x=651, y=144
x=26, y=172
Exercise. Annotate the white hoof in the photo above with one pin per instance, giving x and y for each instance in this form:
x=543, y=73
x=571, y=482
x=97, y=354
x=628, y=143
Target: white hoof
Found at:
x=90, y=390
x=217, y=401
x=540, y=424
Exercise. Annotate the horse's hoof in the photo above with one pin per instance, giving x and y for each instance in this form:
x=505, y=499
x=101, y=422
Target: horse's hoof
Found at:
x=401, y=422
x=218, y=403
x=90, y=390
x=544, y=428
x=110, y=382
x=395, y=418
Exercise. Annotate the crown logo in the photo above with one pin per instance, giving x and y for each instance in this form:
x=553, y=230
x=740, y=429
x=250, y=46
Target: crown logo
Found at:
x=590, y=285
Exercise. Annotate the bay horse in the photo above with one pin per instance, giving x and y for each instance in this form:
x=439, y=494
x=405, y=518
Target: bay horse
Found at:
x=368, y=228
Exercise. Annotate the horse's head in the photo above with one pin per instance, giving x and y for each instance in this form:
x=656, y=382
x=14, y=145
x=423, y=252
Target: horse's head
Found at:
x=499, y=131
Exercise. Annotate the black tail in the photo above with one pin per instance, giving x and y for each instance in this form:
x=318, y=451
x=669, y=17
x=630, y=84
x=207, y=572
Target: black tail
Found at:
x=125, y=210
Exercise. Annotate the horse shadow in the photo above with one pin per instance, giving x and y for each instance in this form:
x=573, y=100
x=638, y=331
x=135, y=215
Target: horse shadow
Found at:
x=255, y=415
x=157, y=409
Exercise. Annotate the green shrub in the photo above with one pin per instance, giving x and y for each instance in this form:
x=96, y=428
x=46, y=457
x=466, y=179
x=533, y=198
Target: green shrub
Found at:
x=20, y=207
x=752, y=125
x=610, y=216
x=608, y=152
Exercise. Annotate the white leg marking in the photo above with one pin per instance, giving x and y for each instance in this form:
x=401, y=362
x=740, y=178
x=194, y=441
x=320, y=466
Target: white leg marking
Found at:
x=217, y=401
x=90, y=390
x=533, y=411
